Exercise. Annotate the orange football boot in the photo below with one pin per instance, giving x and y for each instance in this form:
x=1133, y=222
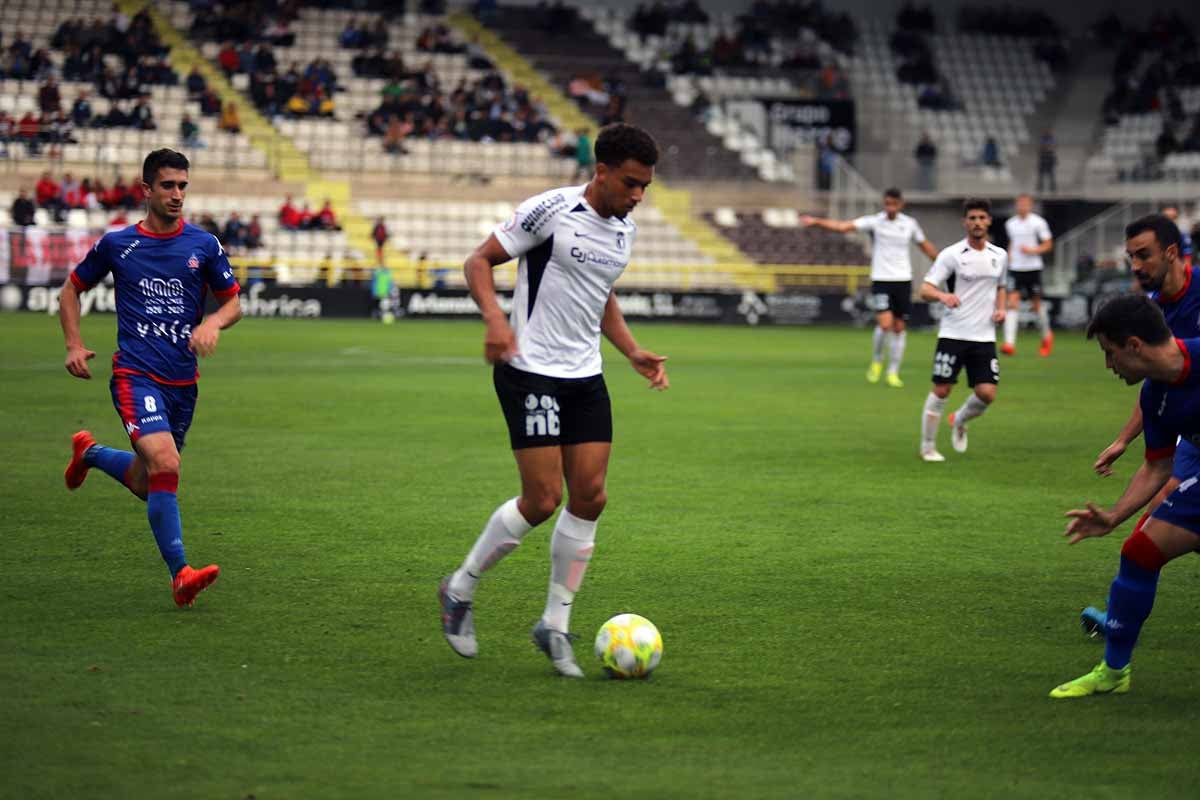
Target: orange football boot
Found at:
x=77, y=470
x=1008, y=349
x=191, y=582
x=1047, y=345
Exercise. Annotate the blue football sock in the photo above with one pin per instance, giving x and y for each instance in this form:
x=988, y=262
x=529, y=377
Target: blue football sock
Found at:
x=1129, y=603
x=115, y=463
x=162, y=507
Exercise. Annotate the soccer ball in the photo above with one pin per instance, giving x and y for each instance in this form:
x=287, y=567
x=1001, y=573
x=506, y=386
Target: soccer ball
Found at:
x=629, y=646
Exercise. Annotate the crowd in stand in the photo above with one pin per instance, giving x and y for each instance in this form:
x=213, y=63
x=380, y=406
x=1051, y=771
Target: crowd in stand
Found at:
x=301, y=218
x=59, y=197
x=913, y=50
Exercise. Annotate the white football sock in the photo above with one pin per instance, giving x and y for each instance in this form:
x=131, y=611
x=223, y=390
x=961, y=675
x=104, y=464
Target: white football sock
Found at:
x=931, y=418
x=898, y=340
x=1043, y=316
x=503, y=532
x=877, y=341
x=1011, y=320
x=570, y=550
x=970, y=410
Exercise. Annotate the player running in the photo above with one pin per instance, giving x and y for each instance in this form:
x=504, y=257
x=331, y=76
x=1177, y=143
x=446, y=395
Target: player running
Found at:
x=974, y=269
x=573, y=243
x=162, y=268
x=1154, y=247
x=1138, y=346
x=891, y=276
x=1028, y=240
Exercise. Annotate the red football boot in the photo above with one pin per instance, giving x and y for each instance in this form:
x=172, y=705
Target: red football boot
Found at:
x=1047, y=345
x=77, y=470
x=1008, y=349
x=191, y=582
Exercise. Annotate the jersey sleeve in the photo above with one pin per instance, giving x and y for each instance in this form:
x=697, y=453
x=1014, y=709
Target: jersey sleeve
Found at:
x=218, y=273
x=864, y=224
x=1191, y=362
x=94, y=267
x=918, y=235
x=1043, y=231
x=1160, y=443
x=942, y=269
x=532, y=223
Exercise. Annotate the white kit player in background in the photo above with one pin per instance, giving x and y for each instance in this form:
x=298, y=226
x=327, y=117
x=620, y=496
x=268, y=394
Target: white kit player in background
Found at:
x=1028, y=240
x=891, y=276
x=573, y=244
x=972, y=270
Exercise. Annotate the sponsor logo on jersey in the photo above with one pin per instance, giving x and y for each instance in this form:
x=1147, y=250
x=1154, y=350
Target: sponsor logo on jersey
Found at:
x=193, y=263
x=588, y=257
x=127, y=250
x=130, y=427
x=620, y=240
x=158, y=287
x=540, y=214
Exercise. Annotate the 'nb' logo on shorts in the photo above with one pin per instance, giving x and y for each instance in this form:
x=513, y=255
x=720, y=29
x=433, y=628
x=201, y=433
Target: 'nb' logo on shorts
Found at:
x=541, y=415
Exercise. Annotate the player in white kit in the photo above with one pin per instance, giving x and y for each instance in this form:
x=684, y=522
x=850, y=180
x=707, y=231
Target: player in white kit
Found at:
x=573, y=243
x=891, y=276
x=973, y=271
x=1028, y=240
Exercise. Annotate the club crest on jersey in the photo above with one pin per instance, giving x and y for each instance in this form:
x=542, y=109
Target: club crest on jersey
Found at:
x=193, y=263
x=620, y=240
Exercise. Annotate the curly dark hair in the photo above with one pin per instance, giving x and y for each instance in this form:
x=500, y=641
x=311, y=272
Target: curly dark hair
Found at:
x=976, y=204
x=619, y=142
x=1126, y=315
x=171, y=159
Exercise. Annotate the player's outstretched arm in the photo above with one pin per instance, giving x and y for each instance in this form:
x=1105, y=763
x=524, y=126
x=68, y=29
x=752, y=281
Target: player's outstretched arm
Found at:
x=499, y=343
x=204, y=338
x=929, y=250
x=649, y=365
x=1109, y=455
x=68, y=317
x=1143, y=486
x=835, y=225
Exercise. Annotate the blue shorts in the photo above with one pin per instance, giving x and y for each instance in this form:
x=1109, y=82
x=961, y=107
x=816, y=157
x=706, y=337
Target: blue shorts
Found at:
x=147, y=406
x=1181, y=507
x=1187, y=460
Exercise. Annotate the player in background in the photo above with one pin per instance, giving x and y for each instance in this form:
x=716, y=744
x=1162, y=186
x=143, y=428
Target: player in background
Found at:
x=967, y=331
x=573, y=243
x=1154, y=247
x=1171, y=212
x=1028, y=240
x=162, y=269
x=1138, y=346
x=891, y=276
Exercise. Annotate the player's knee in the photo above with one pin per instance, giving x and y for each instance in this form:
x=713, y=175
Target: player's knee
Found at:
x=986, y=392
x=542, y=504
x=898, y=326
x=942, y=390
x=164, y=465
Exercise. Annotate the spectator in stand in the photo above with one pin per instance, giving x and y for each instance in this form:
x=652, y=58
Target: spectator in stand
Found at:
x=354, y=36
x=29, y=132
x=230, y=121
x=298, y=105
x=209, y=224
x=229, y=60
x=143, y=117
x=289, y=215
x=189, y=132
x=397, y=132
x=81, y=110
x=70, y=191
x=233, y=237
x=325, y=219
x=1166, y=143
x=49, y=196
x=22, y=210
x=195, y=84
x=380, y=234
x=584, y=159
x=307, y=220
x=137, y=192
x=210, y=104
x=1047, y=162
x=87, y=191
x=115, y=118
x=990, y=157
x=253, y=234
x=322, y=103
x=49, y=97
x=926, y=155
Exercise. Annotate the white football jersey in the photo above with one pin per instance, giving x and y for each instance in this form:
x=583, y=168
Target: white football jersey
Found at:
x=890, y=260
x=978, y=274
x=570, y=256
x=1030, y=232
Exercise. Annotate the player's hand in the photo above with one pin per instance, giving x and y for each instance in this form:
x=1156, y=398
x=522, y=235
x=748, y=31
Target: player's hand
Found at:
x=204, y=340
x=951, y=301
x=806, y=220
x=1108, y=456
x=998, y=316
x=651, y=367
x=499, y=343
x=1088, y=522
x=76, y=364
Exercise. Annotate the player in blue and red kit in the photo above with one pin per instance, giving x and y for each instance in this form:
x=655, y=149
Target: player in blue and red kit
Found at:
x=162, y=268
x=1138, y=346
x=1156, y=253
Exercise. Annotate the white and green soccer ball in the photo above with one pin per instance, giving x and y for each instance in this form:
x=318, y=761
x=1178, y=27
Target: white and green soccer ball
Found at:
x=629, y=646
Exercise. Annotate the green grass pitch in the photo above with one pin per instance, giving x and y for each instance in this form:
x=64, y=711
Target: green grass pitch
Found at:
x=840, y=619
